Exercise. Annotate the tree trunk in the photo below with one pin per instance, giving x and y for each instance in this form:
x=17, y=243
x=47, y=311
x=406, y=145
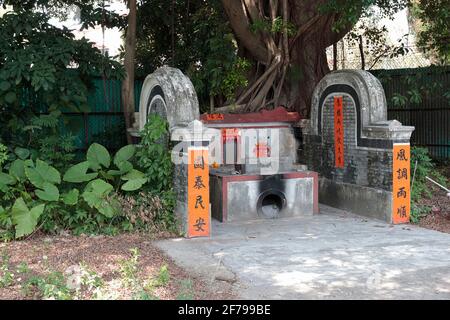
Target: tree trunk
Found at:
x=310, y=66
x=289, y=65
x=128, y=82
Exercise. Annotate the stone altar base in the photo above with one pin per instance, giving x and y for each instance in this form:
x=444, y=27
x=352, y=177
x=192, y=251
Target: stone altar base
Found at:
x=250, y=197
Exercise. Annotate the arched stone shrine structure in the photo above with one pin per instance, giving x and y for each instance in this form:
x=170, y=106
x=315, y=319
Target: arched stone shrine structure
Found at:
x=347, y=155
x=363, y=159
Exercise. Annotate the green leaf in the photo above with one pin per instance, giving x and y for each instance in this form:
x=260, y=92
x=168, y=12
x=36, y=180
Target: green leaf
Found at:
x=115, y=173
x=135, y=180
x=5, y=85
x=28, y=163
x=124, y=154
x=105, y=175
x=71, y=197
x=10, y=97
x=42, y=173
x=133, y=175
x=99, y=187
x=22, y=153
x=25, y=220
x=3, y=188
x=50, y=192
x=96, y=194
x=6, y=179
x=133, y=185
x=78, y=173
x=98, y=156
x=124, y=167
x=17, y=169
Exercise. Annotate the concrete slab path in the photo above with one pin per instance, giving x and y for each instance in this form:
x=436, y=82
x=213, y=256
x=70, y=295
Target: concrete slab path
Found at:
x=334, y=255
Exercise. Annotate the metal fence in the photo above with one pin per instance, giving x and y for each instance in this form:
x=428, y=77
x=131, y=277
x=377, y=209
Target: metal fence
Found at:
x=420, y=97
x=104, y=123
x=351, y=59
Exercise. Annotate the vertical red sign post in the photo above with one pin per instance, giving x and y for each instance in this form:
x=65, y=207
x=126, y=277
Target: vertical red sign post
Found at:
x=199, y=217
x=339, y=132
x=401, y=183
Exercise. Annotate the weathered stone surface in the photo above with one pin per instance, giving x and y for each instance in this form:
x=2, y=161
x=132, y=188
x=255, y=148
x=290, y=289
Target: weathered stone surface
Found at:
x=169, y=93
x=368, y=142
x=178, y=93
x=369, y=90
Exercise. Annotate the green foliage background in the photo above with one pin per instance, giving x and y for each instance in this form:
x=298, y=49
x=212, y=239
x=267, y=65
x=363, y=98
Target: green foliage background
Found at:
x=203, y=46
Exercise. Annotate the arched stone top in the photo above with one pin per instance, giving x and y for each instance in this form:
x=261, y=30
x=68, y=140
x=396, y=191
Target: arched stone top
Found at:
x=174, y=92
x=367, y=88
x=371, y=107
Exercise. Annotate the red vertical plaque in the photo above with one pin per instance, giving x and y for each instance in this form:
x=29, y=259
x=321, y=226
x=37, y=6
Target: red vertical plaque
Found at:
x=339, y=132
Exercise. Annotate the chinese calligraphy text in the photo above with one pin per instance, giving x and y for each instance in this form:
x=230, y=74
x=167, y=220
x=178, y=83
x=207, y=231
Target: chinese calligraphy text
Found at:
x=401, y=183
x=198, y=193
x=339, y=132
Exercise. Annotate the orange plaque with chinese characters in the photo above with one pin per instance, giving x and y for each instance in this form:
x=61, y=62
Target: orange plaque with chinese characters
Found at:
x=339, y=132
x=262, y=150
x=198, y=193
x=401, y=184
x=215, y=117
x=231, y=134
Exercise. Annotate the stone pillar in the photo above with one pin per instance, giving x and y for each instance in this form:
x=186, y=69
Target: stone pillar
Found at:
x=191, y=157
x=355, y=149
x=170, y=94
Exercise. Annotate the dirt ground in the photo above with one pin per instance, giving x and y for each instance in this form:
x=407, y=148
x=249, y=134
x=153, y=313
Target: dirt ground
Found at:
x=439, y=217
x=103, y=255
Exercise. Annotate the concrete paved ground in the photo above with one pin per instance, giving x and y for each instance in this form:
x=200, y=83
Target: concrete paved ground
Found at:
x=333, y=255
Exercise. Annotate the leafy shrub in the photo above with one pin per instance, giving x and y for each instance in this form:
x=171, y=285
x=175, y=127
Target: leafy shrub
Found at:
x=421, y=167
x=100, y=194
x=235, y=78
x=82, y=199
x=39, y=137
x=38, y=82
x=154, y=155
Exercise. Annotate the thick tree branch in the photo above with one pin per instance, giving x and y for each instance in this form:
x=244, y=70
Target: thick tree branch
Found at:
x=277, y=53
x=276, y=62
x=286, y=51
x=241, y=27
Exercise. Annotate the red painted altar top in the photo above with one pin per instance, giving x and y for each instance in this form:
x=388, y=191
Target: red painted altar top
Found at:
x=279, y=114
